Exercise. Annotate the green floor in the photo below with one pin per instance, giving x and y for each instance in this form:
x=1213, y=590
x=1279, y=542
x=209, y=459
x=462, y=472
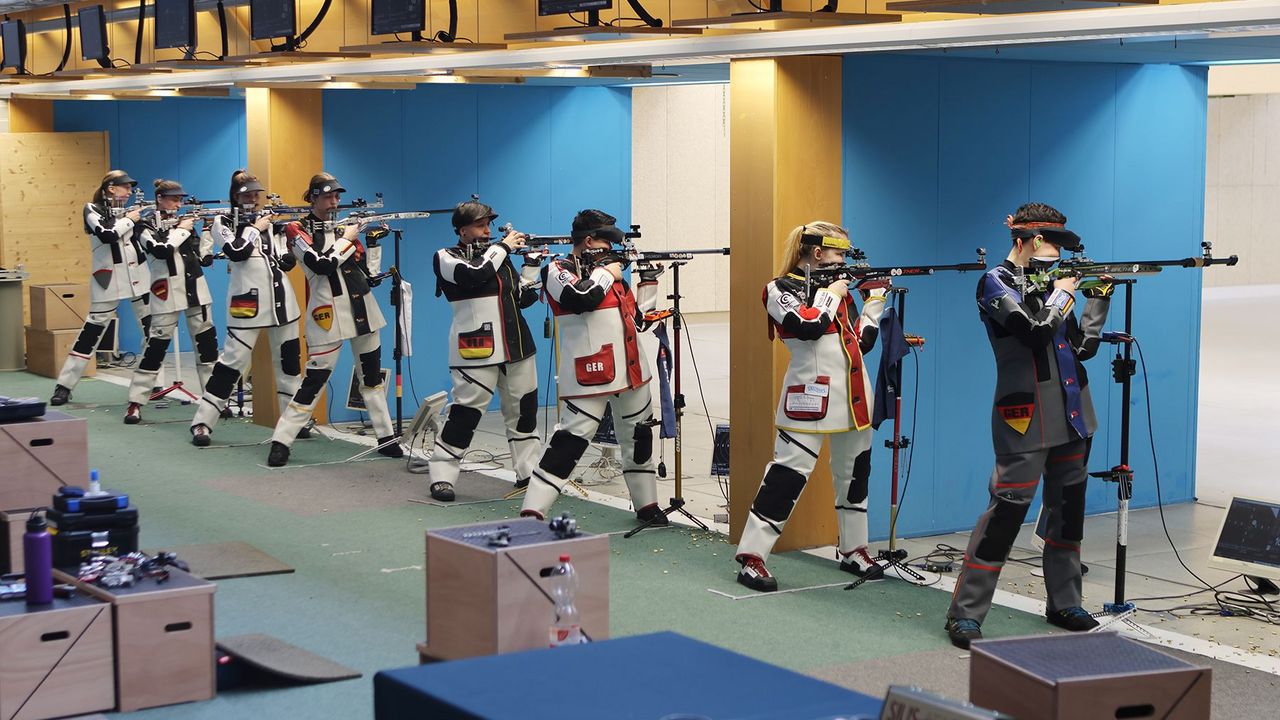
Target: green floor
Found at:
x=357, y=598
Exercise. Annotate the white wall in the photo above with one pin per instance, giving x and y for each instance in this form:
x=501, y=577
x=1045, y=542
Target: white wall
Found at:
x=1242, y=188
x=680, y=184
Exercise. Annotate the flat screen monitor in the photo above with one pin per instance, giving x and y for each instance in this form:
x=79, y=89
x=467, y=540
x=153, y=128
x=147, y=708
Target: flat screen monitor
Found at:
x=14, y=34
x=1249, y=539
x=398, y=16
x=93, y=34
x=175, y=24
x=272, y=19
x=563, y=7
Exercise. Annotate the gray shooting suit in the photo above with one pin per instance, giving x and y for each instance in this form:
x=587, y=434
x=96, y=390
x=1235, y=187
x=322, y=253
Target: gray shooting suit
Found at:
x=1041, y=422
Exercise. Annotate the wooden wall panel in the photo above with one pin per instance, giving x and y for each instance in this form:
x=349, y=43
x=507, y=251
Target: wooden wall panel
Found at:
x=785, y=154
x=45, y=180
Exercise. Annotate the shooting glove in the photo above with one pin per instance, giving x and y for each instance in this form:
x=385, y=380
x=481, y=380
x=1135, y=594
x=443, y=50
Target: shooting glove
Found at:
x=287, y=262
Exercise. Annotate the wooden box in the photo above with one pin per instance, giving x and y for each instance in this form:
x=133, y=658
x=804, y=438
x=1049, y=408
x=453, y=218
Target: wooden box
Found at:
x=41, y=455
x=164, y=639
x=12, y=527
x=484, y=600
x=1085, y=677
x=47, y=351
x=59, y=306
x=57, y=660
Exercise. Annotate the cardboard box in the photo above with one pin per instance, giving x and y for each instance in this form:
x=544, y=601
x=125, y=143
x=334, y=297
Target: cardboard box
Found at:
x=164, y=639
x=59, y=306
x=484, y=600
x=47, y=351
x=57, y=660
x=41, y=455
x=1085, y=677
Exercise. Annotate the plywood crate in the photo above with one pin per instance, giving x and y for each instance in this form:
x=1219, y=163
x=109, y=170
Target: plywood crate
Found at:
x=41, y=455
x=164, y=639
x=47, y=351
x=59, y=306
x=57, y=659
x=484, y=600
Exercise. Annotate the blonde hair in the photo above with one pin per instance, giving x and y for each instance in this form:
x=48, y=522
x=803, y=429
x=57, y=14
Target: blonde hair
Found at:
x=794, y=250
x=100, y=196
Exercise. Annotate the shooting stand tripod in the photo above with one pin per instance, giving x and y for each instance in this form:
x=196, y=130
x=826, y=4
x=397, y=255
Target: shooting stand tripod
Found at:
x=678, y=259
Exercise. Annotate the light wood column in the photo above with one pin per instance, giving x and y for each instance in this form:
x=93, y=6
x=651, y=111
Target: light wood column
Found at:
x=285, y=148
x=28, y=115
x=784, y=164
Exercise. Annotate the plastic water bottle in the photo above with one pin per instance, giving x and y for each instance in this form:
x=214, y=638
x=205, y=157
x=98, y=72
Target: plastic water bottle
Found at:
x=95, y=486
x=37, y=554
x=565, y=627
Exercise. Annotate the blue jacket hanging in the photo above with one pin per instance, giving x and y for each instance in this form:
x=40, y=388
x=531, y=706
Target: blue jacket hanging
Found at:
x=668, y=427
x=893, y=347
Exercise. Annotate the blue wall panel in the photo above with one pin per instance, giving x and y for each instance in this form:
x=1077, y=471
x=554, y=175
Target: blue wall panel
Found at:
x=936, y=153
x=198, y=141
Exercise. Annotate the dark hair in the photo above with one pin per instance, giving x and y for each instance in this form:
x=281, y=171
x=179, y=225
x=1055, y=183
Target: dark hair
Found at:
x=163, y=185
x=316, y=179
x=239, y=177
x=588, y=220
x=1038, y=212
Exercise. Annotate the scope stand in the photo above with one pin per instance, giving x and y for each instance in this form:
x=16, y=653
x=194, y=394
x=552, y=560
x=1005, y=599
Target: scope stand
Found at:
x=176, y=385
x=677, y=502
x=1123, y=369
x=892, y=556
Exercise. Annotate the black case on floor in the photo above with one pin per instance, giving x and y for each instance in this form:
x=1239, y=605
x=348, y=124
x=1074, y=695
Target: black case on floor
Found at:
x=70, y=522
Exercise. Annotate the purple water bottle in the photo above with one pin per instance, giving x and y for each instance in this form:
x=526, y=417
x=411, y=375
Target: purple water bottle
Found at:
x=37, y=553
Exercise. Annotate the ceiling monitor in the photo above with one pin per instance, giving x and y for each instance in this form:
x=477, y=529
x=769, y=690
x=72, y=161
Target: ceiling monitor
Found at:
x=564, y=7
x=93, y=35
x=1249, y=539
x=272, y=19
x=398, y=16
x=175, y=24
x=14, y=35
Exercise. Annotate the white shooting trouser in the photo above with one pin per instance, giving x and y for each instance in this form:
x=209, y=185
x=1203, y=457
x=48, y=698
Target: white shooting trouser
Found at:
x=237, y=353
x=163, y=326
x=795, y=454
x=95, y=327
x=321, y=359
x=473, y=387
x=579, y=419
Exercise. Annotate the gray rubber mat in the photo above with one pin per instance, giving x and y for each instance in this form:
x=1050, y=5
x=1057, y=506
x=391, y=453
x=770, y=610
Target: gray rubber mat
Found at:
x=288, y=662
x=219, y=561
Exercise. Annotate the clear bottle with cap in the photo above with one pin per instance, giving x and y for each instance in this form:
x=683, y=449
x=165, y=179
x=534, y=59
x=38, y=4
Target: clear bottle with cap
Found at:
x=566, y=628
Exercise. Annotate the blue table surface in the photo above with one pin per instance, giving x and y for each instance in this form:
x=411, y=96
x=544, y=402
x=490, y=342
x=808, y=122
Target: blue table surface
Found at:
x=645, y=677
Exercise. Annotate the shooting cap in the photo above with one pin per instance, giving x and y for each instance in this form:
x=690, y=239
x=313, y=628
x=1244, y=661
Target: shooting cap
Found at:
x=471, y=211
x=121, y=179
x=826, y=241
x=596, y=224
x=321, y=185
x=1052, y=232
x=170, y=189
x=248, y=186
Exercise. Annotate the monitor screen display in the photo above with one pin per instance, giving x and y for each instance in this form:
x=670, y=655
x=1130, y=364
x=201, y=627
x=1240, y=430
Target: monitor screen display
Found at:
x=272, y=19
x=563, y=7
x=93, y=33
x=175, y=24
x=1251, y=533
x=14, y=33
x=397, y=16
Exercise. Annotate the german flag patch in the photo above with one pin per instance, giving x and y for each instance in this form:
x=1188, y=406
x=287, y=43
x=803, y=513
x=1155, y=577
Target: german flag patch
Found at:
x=1017, y=410
x=244, y=306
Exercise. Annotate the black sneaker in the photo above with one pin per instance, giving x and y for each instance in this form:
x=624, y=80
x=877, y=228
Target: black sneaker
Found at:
x=653, y=516
x=304, y=433
x=133, y=414
x=200, y=436
x=279, y=455
x=522, y=483
x=963, y=631
x=754, y=574
x=60, y=395
x=1075, y=619
x=859, y=563
x=390, y=447
x=442, y=491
